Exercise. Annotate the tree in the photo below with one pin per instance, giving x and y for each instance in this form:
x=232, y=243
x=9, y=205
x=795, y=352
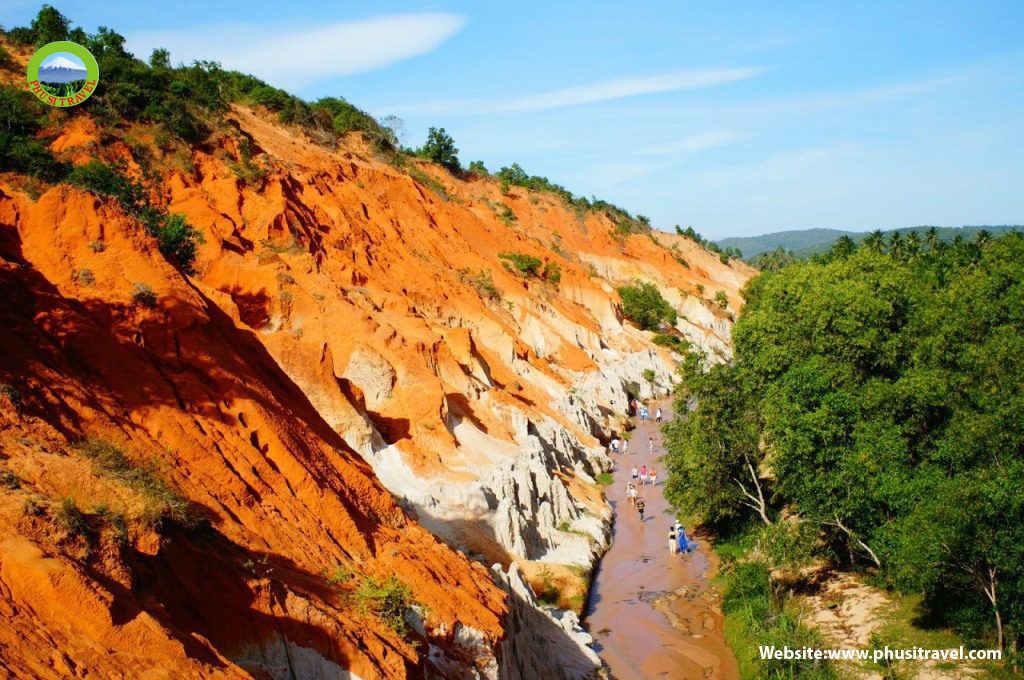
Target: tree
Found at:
x=160, y=58
x=50, y=26
x=440, y=148
x=721, y=299
x=643, y=304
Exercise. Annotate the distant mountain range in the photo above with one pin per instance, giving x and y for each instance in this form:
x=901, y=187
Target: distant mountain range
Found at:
x=804, y=242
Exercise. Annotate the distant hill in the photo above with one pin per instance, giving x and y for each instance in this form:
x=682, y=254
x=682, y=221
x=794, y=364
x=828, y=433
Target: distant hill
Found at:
x=804, y=242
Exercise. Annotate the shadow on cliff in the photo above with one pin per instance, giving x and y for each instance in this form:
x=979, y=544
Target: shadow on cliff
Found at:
x=218, y=598
x=125, y=361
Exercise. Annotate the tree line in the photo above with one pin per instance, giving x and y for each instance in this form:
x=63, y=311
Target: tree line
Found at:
x=874, y=401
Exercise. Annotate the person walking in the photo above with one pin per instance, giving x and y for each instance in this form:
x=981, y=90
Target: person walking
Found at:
x=673, y=547
x=629, y=492
x=615, y=444
x=653, y=475
x=685, y=546
x=643, y=475
x=640, y=507
x=657, y=414
x=625, y=446
x=634, y=473
x=650, y=445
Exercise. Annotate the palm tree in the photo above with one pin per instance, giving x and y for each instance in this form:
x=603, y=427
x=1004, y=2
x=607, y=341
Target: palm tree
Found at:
x=913, y=245
x=874, y=241
x=931, y=237
x=982, y=238
x=896, y=245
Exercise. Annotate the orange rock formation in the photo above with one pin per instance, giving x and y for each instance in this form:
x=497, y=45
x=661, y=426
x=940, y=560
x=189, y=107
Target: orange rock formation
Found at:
x=339, y=330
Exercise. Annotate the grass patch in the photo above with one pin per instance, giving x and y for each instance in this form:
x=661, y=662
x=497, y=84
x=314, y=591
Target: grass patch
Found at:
x=160, y=500
x=482, y=282
x=755, y=615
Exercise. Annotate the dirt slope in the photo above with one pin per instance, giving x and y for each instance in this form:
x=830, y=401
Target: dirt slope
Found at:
x=337, y=332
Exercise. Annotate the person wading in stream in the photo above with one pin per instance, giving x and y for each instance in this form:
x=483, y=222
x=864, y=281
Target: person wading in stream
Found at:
x=640, y=508
x=657, y=414
x=643, y=475
x=672, y=545
x=650, y=445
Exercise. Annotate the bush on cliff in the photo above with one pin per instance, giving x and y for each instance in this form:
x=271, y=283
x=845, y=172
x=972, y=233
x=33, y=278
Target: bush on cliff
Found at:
x=440, y=148
x=176, y=238
x=643, y=304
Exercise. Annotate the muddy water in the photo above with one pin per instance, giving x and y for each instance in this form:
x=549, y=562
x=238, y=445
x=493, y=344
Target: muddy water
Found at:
x=652, y=614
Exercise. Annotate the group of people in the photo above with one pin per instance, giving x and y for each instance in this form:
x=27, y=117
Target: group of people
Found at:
x=678, y=541
x=644, y=475
x=644, y=413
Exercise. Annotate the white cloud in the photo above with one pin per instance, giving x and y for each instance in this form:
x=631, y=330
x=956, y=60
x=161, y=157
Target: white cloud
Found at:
x=293, y=58
x=583, y=94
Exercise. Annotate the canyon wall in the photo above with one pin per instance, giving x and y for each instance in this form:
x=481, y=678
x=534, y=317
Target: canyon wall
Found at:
x=350, y=385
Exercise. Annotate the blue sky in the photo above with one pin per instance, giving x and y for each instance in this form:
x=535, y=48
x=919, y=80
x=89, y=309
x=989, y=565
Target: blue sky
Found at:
x=736, y=118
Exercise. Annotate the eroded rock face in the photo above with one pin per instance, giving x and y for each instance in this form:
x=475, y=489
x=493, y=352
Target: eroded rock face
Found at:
x=341, y=314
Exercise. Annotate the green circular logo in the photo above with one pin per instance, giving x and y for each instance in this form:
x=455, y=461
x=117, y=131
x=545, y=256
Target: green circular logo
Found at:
x=62, y=74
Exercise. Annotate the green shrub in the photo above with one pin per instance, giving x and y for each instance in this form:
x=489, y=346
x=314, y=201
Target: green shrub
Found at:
x=479, y=169
x=506, y=215
x=547, y=593
x=527, y=265
x=721, y=299
x=84, y=276
x=482, y=282
x=388, y=600
x=648, y=374
x=143, y=294
x=605, y=479
x=644, y=305
x=553, y=273
x=69, y=518
x=671, y=341
x=21, y=116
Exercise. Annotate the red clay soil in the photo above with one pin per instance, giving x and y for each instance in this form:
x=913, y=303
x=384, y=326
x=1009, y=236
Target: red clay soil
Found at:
x=653, y=614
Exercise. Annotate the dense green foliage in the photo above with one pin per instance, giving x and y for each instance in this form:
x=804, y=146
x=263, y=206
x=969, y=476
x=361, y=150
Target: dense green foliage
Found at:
x=882, y=386
x=643, y=304
x=21, y=117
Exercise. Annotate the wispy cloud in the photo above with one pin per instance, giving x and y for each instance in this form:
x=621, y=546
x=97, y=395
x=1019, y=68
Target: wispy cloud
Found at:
x=689, y=144
x=606, y=90
x=296, y=57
